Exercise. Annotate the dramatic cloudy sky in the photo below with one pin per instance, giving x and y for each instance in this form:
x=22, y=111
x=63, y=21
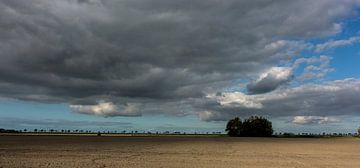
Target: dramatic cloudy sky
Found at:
x=179, y=65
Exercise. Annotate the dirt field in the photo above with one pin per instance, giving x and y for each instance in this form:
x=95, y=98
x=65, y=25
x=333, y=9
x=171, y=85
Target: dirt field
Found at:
x=88, y=152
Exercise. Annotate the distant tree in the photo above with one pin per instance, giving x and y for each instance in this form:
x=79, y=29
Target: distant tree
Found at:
x=359, y=131
x=257, y=127
x=233, y=127
x=252, y=127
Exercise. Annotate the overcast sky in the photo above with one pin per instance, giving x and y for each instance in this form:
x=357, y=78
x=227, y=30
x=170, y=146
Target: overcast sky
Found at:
x=179, y=65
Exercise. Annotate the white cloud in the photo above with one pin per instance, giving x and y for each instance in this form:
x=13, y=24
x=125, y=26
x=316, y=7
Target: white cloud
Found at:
x=336, y=43
x=303, y=120
x=270, y=80
x=279, y=73
x=108, y=109
x=335, y=98
x=237, y=99
x=315, y=67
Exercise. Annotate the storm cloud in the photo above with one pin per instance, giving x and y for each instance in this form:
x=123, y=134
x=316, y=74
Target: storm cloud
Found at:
x=129, y=58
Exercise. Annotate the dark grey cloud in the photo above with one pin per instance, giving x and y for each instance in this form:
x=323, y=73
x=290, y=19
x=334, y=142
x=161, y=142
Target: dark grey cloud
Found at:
x=161, y=55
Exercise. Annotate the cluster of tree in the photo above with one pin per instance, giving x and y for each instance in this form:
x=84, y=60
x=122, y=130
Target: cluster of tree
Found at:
x=254, y=126
x=358, y=131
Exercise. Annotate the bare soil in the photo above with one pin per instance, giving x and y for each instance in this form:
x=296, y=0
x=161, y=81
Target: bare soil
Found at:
x=168, y=152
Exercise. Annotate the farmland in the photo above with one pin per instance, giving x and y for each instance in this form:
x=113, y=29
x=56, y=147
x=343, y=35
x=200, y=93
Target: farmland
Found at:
x=177, y=151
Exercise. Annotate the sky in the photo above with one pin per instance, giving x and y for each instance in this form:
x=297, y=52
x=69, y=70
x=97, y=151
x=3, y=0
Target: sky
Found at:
x=189, y=66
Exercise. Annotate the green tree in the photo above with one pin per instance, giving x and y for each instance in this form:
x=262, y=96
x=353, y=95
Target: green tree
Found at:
x=359, y=131
x=233, y=127
x=257, y=127
x=252, y=127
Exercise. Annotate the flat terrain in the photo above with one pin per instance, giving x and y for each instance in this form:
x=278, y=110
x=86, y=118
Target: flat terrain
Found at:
x=88, y=152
